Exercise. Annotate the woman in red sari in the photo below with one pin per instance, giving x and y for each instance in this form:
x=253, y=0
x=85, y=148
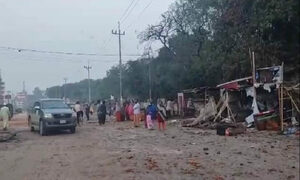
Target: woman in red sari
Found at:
x=130, y=111
x=118, y=112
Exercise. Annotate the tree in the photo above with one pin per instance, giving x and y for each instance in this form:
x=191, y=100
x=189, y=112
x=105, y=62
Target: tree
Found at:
x=1, y=91
x=206, y=42
x=37, y=93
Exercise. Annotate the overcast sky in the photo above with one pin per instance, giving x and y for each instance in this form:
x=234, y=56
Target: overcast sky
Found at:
x=79, y=26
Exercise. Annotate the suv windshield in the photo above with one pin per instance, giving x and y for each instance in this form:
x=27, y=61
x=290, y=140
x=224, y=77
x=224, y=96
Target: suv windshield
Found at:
x=54, y=104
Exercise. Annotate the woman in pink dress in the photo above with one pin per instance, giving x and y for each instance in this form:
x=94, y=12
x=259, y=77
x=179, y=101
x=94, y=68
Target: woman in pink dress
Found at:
x=130, y=111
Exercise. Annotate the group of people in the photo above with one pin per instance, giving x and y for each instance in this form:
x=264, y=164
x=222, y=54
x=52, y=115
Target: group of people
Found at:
x=131, y=110
x=156, y=113
x=135, y=111
x=88, y=110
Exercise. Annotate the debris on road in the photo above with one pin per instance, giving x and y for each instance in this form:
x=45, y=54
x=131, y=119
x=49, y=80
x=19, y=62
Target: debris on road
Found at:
x=7, y=135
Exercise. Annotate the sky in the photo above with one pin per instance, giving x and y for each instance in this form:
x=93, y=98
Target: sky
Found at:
x=76, y=26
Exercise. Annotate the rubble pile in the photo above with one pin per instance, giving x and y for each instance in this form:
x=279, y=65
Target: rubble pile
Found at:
x=206, y=118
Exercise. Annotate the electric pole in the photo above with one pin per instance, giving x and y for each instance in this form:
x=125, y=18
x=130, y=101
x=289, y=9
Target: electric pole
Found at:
x=88, y=67
x=24, y=87
x=118, y=32
x=150, y=80
x=65, y=83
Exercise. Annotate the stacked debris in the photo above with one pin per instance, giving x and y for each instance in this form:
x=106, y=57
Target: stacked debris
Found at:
x=265, y=102
x=204, y=120
x=191, y=101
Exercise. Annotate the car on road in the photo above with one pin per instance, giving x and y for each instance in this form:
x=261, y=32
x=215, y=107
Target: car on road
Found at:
x=51, y=114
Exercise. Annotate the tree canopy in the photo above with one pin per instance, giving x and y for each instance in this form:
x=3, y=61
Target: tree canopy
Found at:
x=206, y=42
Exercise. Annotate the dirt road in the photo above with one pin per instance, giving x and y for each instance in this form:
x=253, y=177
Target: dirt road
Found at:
x=117, y=151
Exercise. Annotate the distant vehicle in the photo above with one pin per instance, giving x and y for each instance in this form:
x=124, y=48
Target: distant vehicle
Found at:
x=51, y=114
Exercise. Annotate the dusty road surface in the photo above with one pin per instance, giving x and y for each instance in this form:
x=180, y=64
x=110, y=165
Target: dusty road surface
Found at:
x=117, y=151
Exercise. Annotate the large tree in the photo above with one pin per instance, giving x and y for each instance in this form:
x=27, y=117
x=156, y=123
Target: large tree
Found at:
x=206, y=42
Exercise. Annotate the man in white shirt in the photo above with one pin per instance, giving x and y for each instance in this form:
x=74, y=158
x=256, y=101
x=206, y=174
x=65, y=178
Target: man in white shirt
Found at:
x=5, y=115
x=169, y=108
x=79, y=112
x=137, y=114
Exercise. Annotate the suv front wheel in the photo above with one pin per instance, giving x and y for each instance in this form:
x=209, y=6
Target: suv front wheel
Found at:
x=43, y=130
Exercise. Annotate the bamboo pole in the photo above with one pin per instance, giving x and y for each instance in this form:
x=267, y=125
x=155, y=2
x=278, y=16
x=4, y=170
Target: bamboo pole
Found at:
x=292, y=100
x=227, y=105
x=281, y=95
x=204, y=104
x=253, y=75
x=281, y=108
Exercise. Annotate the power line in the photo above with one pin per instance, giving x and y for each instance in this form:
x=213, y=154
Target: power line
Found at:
x=126, y=10
x=106, y=42
x=130, y=11
x=53, y=59
x=140, y=14
x=62, y=52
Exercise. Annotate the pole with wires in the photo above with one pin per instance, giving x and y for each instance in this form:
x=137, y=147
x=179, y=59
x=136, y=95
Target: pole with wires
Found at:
x=118, y=32
x=65, y=92
x=149, y=76
x=88, y=68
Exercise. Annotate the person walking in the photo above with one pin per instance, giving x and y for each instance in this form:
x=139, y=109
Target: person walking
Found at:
x=87, y=111
x=136, y=112
x=92, y=109
x=118, y=113
x=161, y=117
x=102, y=113
x=169, y=108
x=130, y=111
x=98, y=104
x=5, y=116
x=79, y=112
x=151, y=115
x=126, y=111
x=175, y=108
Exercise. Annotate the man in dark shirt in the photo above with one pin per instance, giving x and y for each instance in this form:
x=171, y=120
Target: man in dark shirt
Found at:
x=101, y=113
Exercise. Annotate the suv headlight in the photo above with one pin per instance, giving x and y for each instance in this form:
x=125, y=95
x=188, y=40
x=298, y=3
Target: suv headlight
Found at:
x=48, y=115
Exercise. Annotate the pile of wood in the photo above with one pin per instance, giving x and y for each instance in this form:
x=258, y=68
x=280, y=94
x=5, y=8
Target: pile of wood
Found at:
x=204, y=120
x=211, y=114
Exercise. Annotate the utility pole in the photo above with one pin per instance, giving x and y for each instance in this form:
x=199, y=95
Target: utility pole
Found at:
x=150, y=80
x=118, y=32
x=65, y=83
x=88, y=67
x=24, y=87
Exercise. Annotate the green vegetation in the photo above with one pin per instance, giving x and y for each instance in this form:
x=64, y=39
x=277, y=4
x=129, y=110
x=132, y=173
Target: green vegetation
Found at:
x=206, y=42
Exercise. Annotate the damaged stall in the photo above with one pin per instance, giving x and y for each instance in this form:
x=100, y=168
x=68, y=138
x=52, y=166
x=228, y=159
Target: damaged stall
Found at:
x=261, y=100
x=278, y=102
x=199, y=103
x=291, y=108
x=235, y=100
x=266, y=91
